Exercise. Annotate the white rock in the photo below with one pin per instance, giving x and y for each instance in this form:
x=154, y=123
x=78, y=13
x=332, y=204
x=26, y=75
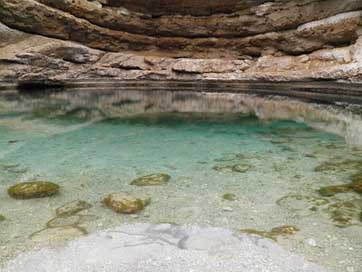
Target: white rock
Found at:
x=311, y=242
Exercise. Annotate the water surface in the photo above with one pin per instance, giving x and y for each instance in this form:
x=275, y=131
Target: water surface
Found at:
x=91, y=153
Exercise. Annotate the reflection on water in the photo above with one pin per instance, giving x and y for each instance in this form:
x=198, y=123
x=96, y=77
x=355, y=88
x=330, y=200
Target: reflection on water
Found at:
x=214, y=163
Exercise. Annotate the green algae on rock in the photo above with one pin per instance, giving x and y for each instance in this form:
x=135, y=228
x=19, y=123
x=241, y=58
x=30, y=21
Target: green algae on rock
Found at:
x=152, y=180
x=72, y=208
x=33, y=189
x=338, y=165
x=229, y=197
x=274, y=233
x=345, y=213
x=125, y=203
x=301, y=203
x=333, y=190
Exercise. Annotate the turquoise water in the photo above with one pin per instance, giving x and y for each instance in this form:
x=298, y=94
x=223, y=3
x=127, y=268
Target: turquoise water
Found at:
x=91, y=157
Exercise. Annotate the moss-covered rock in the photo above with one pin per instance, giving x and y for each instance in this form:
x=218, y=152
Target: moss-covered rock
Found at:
x=333, y=190
x=33, y=189
x=125, y=203
x=229, y=197
x=152, y=180
x=338, y=165
x=2, y=218
x=72, y=208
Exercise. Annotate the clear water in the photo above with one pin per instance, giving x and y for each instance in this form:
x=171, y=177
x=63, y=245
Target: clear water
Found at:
x=91, y=157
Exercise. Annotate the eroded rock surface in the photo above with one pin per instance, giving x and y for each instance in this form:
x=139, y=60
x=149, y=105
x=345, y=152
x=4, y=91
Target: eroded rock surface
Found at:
x=184, y=40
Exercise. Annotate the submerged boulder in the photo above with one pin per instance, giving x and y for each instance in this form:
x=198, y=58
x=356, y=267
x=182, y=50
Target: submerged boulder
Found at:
x=152, y=180
x=72, y=208
x=333, y=190
x=125, y=203
x=63, y=221
x=229, y=197
x=33, y=189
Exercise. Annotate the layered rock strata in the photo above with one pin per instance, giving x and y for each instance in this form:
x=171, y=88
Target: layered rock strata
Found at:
x=188, y=40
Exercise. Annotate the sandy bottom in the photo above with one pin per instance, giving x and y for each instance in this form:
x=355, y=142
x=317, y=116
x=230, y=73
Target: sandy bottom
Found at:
x=162, y=248
x=91, y=159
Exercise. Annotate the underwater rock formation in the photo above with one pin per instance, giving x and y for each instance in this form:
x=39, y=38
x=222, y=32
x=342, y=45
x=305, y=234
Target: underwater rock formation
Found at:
x=55, y=41
x=229, y=197
x=72, y=208
x=125, y=203
x=33, y=189
x=152, y=180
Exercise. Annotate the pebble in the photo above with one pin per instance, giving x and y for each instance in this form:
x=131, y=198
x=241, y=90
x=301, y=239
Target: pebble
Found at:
x=311, y=242
x=227, y=209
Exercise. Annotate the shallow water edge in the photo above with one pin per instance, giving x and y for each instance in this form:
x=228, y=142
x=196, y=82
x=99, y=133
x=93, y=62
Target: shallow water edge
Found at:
x=229, y=160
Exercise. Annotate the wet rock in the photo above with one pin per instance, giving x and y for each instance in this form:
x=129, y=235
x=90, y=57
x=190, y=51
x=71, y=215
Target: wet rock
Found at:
x=241, y=168
x=333, y=190
x=33, y=189
x=274, y=233
x=229, y=197
x=2, y=218
x=125, y=203
x=60, y=221
x=72, y=208
x=152, y=180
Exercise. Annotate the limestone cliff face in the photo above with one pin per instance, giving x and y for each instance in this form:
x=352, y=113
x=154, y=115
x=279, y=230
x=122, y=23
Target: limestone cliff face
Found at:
x=186, y=39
